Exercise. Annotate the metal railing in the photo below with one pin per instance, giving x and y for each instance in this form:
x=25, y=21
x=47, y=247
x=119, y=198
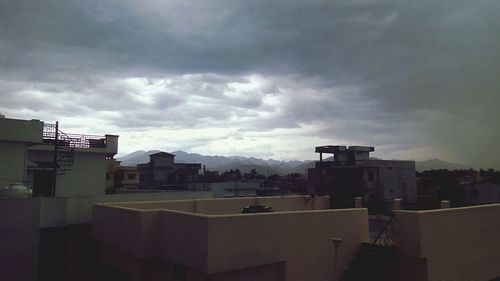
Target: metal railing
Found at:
x=72, y=140
x=386, y=235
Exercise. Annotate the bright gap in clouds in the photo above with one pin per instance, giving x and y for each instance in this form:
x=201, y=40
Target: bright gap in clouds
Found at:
x=415, y=79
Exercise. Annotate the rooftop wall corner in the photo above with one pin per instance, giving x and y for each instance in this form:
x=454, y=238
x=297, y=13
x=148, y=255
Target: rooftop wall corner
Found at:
x=111, y=144
x=16, y=130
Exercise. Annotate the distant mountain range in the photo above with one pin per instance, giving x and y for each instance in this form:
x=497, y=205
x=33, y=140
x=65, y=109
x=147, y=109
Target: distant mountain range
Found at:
x=262, y=166
x=221, y=163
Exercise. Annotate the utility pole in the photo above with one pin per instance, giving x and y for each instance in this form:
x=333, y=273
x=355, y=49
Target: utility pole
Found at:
x=56, y=140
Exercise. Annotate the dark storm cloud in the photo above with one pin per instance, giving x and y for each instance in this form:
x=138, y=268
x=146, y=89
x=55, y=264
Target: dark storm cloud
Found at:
x=389, y=73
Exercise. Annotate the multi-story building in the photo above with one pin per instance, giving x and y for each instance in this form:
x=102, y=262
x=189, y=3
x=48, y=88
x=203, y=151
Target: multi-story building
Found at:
x=162, y=173
x=78, y=162
x=352, y=173
x=121, y=177
x=45, y=234
x=481, y=193
x=51, y=162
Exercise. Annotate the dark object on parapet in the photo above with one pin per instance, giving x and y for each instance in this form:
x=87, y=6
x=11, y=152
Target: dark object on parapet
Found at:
x=256, y=209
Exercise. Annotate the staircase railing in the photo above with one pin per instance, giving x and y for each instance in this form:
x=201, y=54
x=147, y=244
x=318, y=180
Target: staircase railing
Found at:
x=72, y=140
x=386, y=235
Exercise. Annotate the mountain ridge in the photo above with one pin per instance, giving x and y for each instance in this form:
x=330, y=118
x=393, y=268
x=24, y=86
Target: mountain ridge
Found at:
x=263, y=166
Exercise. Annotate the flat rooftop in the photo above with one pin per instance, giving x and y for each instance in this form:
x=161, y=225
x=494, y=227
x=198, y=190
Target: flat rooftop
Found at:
x=212, y=235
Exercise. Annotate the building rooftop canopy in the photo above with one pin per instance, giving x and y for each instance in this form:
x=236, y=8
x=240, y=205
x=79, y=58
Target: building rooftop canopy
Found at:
x=342, y=148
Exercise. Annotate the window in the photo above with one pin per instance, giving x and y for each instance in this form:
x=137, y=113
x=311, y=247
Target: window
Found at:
x=131, y=176
x=473, y=192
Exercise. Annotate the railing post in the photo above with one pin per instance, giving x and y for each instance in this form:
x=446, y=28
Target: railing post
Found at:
x=336, y=241
x=55, y=159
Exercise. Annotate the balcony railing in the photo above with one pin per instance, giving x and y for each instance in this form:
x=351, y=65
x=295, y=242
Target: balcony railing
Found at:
x=72, y=140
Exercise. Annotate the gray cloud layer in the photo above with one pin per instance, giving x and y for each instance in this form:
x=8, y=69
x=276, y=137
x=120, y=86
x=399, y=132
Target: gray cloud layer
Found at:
x=418, y=76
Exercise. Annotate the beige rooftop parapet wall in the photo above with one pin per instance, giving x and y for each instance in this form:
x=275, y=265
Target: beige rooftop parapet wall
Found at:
x=224, y=206
x=458, y=243
x=212, y=236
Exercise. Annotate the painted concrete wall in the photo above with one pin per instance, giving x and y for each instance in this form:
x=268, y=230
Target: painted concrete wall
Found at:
x=19, y=238
x=214, y=244
x=394, y=175
x=13, y=164
x=460, y=244
x=482, y=193
x=224, y=206
x=28, y=131
x=79, y=208
x=86, y=177
x=111, y=144
x=301, y=239
x=22, y=218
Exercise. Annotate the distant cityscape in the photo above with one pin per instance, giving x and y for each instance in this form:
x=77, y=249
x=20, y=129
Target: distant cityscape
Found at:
x=72, y=211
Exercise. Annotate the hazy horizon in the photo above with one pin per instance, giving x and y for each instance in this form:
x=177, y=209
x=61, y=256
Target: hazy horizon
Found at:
x=416, y=80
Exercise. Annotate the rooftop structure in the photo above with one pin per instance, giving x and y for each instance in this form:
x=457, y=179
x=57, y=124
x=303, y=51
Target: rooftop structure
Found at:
x=212, y=239
x=301, y=240
x=162, y=173
x=343, y=155
x=46, y=237
x=41, y=156
x=351, y=173
x=77, y=163
x=15, y=138
x=121, y=177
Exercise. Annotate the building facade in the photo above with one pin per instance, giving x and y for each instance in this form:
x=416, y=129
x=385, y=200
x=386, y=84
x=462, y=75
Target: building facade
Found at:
x=50, y=162
x=162, y=173
x=351, y=173
x=16, y=136
x=121, y=177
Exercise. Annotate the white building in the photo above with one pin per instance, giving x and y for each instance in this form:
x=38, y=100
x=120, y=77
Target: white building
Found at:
x=482, y=193
x=31, y=156
x=352, y=173
x=37, y=231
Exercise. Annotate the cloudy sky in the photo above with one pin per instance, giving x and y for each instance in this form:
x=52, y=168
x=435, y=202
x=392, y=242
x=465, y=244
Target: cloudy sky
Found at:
x=271, y=79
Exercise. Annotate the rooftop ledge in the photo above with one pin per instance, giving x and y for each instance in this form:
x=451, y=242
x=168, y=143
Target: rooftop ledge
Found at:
x=227, y=206
x=212, y=235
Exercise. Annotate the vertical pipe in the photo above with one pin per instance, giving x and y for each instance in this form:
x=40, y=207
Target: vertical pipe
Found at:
x=204, y=178
x=56, y=142
x=336, y=241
